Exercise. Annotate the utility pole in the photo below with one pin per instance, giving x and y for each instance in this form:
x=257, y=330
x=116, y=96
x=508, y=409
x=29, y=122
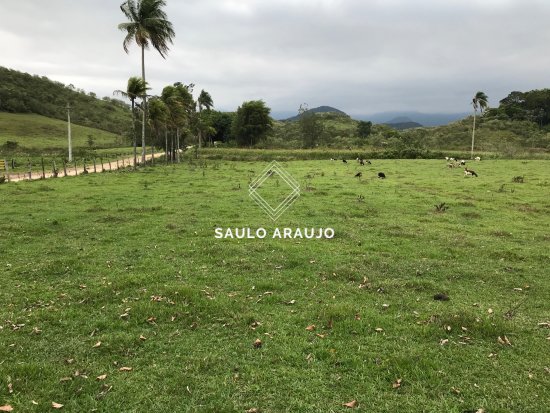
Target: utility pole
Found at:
x=69, y=131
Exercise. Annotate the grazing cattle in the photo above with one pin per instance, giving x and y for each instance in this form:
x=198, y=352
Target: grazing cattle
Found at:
x=343, y=160
x=469, y=172
x=381, y=175
x=332, y=159
x=477, y=158
x=446, y=158
x=359, y=174
x=462, y=162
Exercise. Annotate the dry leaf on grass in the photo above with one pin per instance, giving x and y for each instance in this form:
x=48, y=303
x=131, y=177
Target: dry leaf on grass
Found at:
x=10, y=388
x=102, y=377
x=379, y=329
x=443, y=341
x=6, y=408
x=96, y=345
x=504, y=340
x=351, y=405
x=56, y=405
x=258, y=343
x=253, y=410
x=310, y=327
x=397, y=384
x=142, y=337
x=125, y=369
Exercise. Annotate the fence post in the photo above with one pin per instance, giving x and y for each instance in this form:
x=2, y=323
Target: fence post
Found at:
x=95, y=170
x=117, y=167
x=102, y=166
x=75, y=170
x=153, y=156
x=30, y=170
x=110, y=168
x=43, y=169
x=54, y=169
x=64, y=167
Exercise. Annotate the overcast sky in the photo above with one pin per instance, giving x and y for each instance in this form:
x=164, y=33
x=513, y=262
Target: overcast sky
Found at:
x=361, y=56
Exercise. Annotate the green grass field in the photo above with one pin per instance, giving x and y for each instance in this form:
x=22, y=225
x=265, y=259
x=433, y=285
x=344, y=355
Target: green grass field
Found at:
x=40, y=133
x=117, y=297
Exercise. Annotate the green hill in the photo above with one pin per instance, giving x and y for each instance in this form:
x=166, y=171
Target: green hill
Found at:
x=25, y=93
x=37, y=132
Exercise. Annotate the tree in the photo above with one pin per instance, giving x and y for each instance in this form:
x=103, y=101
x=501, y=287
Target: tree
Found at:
x=147, y=25
x=204, y=100
x=480, y=101
x=136, y=88
x=221, y=122
x=364, y=129
x=251, y=123
x=158, y=117
x=310, y=126
x=181, y=107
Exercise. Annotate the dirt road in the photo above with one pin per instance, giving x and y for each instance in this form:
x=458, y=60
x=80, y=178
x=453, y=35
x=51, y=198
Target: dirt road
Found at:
x=78, y=170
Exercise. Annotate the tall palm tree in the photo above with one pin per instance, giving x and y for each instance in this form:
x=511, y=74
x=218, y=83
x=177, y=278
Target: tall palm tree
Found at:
x=136, y=88
x=204, y=100
x=147, y=25
x=158, y=117
x=480, y=101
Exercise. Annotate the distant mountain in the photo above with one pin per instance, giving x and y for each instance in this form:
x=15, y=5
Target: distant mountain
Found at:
x=320, y=109
x=425, y=119
x=403, y=125
x=399, y=119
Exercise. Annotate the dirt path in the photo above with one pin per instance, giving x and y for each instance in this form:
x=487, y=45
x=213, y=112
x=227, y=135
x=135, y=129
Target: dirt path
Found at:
x=78, y=170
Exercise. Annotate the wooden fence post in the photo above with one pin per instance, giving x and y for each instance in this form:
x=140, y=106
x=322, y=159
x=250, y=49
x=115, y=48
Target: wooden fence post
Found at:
x=43, y=169
x=102, y=166
x=117, y=167
x=8, y=171
x=30, y=170
x=75, y=170
x=110, y=168
x=95, y=170
x=54, y=169
x=64, y=167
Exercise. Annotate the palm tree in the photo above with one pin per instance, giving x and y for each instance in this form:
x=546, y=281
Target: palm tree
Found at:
x=480, y=101
x=158, y=117
x=204, y=100
x=136, y=88
x=147, y=25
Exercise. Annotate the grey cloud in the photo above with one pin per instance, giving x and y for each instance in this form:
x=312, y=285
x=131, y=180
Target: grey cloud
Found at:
x=360, y=56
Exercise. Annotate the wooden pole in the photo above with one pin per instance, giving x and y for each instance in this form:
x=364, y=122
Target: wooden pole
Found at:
x=102, y=166
x=30, y=169
x=75, y=170
x=64, y=167
x=43, y=170
x=117, y=167
x=95, y=170
x=110, y=168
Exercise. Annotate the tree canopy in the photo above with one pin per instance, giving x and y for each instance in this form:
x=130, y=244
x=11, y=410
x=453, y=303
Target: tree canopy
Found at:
x=251, y=123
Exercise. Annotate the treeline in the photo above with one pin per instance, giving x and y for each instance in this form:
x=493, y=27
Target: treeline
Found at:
x=25, y=93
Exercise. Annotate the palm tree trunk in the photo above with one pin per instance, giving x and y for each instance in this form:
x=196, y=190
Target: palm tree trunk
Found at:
x=473, y=136
x=144, y=106
x=166, y=145
x=134, y=132
x=200, y=132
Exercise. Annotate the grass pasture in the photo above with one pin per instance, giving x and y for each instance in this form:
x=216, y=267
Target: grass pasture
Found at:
x=109, y=272
x=40, y=133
